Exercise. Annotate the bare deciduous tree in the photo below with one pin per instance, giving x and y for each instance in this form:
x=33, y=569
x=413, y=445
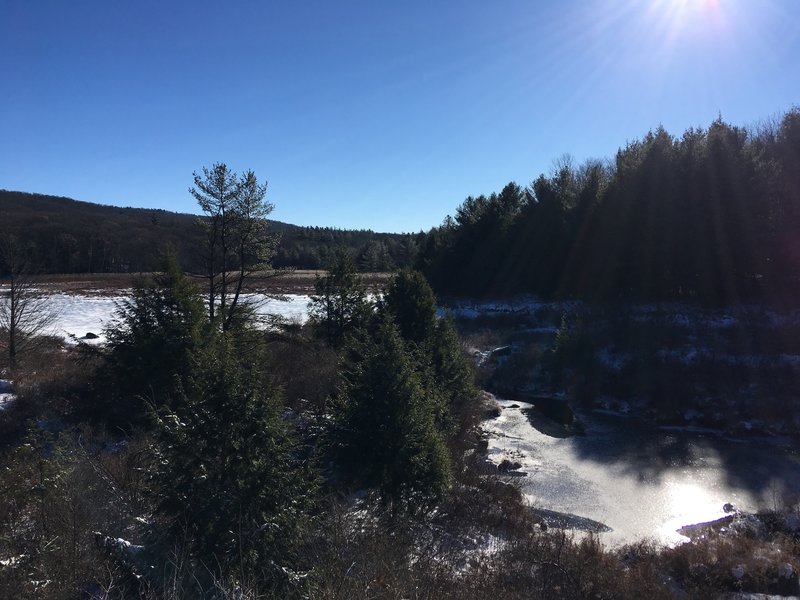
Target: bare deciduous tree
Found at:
x=25, y=312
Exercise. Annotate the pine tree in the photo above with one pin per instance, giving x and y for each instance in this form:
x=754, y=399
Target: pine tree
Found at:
x=437, y=351
x=340, y=304
x=229, y=476
x=413, y=304
x=150, y=343
x=387, y=433
x=236, y=240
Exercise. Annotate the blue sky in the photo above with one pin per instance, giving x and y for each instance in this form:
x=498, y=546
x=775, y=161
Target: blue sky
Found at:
x=367, y=114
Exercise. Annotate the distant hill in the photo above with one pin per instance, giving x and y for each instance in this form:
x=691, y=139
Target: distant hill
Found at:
x=72, y=236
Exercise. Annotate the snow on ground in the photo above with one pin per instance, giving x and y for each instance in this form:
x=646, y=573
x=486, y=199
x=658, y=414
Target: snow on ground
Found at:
x=675, y=314
x=294, y=308
x=6, y=400
x=522, y=305
x=77, y=315
x=7, y=395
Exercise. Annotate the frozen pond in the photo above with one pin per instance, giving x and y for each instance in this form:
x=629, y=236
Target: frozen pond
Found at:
x=77, y=315
x=640, y=482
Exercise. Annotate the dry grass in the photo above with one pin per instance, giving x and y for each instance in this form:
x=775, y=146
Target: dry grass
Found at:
x=281, y=282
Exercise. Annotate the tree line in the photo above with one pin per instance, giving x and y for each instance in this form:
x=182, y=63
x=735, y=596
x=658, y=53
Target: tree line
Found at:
x=710, y=216
x=70, y=236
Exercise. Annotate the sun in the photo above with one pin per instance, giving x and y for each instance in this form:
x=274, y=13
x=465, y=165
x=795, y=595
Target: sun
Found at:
x=678, y=9
x=686, y=19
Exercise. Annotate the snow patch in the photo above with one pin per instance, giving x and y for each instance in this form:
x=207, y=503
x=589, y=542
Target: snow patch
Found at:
x=7, y=395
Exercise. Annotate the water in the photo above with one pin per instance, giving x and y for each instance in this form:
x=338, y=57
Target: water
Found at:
x=640, y=482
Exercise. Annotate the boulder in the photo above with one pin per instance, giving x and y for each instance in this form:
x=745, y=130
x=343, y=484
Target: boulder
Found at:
x=506, y=465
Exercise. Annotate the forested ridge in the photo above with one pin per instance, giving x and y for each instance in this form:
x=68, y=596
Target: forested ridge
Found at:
x=710, y=216
x=71, y=236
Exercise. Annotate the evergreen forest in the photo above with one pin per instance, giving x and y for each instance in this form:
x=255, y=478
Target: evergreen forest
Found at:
x=708, y=217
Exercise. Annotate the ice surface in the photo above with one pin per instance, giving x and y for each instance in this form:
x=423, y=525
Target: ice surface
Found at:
x=612, y=476
x=77, y=315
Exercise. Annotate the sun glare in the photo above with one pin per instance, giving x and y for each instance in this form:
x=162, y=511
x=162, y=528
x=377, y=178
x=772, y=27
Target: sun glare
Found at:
x=677, y=21
x=677, y=12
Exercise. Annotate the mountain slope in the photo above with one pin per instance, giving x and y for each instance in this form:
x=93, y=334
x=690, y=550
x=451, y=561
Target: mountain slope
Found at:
x=72, y=236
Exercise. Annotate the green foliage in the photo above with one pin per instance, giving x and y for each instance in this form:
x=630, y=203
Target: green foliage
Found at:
x=340, y=304
x=436, y=349
x=454, y=377
x=236, y=242
x=150, y=344
x=387, y=433
x=229, y=477
x=410, y=299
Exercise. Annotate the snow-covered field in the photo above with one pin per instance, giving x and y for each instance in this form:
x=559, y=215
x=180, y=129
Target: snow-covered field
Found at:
x=77, y=315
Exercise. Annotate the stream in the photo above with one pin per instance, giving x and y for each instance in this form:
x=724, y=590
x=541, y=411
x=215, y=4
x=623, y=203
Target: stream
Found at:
x=627, y=481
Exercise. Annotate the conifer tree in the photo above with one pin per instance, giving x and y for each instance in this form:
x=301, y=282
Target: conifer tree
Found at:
x=387, y=432
x=229, y=476
x=150, y=343
x=340, y=304
x=413, y=304
x=236, y=241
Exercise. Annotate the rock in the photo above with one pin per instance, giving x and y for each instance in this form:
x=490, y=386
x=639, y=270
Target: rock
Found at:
x=728, y=507
x=513, y=406
x=483, y=445
x=738, y=572
x=506, y=465
x=91, y=336
x=494, y=411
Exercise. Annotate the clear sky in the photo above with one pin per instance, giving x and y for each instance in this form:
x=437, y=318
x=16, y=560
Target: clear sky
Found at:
x=367, y=114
